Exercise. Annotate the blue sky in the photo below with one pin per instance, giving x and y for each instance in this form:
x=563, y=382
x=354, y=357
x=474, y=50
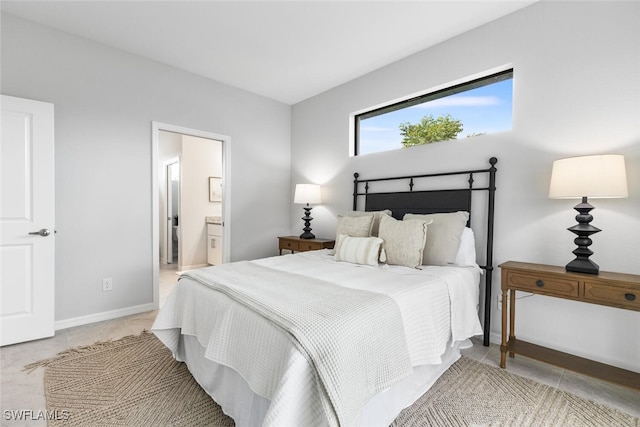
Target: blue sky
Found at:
x=486, y=109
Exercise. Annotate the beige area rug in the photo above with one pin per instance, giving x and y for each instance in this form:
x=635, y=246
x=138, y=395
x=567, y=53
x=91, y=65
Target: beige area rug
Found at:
x=136, y=382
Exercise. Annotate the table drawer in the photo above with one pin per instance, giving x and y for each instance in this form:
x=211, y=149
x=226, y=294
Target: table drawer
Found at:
x=289, y=244
x=543, y=284
x=310, y=246
x=618, y=296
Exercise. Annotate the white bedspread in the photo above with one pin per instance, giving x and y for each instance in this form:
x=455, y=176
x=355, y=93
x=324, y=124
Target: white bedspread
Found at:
x=353, y=338
x=437, y=303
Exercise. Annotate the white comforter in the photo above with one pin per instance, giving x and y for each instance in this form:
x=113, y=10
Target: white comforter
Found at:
x=437, y=304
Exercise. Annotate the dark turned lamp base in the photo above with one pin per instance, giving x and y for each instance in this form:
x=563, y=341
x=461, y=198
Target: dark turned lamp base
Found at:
x=582, y=263
x=583, y=266
x=307, y=224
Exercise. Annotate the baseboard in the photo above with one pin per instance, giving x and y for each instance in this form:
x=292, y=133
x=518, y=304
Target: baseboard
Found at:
x=495, y=337
x=193, y=267
x=99, y=317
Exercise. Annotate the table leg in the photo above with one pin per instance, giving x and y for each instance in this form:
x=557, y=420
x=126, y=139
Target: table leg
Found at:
x=512, y=317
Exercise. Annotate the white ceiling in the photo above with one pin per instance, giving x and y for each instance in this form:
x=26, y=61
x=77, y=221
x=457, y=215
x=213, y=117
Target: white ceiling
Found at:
x=284, y=50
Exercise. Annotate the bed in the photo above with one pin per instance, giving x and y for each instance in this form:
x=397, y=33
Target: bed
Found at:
x=334, y=337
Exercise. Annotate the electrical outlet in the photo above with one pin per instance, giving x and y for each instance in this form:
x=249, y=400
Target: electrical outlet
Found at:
x=499, y=301
x=107, y=284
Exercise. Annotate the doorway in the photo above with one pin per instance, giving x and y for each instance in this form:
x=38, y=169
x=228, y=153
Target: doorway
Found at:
x=184, y=161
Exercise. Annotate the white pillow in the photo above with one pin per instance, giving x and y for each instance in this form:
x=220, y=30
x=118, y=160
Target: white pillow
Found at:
x=444, y=236
x=376, y=218
x=404, y=241
x=467, y=251
x=358, y=250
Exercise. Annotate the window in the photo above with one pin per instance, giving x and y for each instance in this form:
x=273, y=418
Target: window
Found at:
x=469, y=109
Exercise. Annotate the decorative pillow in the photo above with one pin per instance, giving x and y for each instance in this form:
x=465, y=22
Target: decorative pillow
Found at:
x=467, y=251
x=358, y=250
x=355, y=226
x=444, y=236
x=376, y=218
x=404, y=241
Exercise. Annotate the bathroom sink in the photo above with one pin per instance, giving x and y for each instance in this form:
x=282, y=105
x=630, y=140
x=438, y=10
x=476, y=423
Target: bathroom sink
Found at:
x=213, y=219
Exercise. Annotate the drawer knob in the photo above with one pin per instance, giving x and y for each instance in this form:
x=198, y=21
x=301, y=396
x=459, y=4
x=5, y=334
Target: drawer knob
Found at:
x=539, y=283
x=630, y=297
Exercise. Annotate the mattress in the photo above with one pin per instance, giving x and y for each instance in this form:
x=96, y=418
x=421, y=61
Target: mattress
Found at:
x=259, y=377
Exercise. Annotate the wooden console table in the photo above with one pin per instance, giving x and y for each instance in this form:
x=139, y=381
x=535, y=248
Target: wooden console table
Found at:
x=610, y=289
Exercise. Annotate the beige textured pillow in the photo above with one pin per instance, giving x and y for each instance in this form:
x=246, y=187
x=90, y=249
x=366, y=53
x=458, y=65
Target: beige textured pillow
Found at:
x=444, y=236
x=376, y=218
x=358, y=250
x=404, y=241
x=354, y=226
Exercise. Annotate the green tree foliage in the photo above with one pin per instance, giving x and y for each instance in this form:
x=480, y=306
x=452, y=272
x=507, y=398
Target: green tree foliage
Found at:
x=430, y=130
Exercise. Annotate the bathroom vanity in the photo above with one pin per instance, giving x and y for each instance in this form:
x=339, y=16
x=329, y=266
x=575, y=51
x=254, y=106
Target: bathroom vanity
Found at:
x=214, y=240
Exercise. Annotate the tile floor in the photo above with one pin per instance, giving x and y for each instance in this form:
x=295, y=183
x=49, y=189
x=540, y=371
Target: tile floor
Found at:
x=22, y=390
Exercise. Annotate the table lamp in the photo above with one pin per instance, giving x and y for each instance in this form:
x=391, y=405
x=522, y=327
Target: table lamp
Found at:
x=600, y=176
x=307, y=194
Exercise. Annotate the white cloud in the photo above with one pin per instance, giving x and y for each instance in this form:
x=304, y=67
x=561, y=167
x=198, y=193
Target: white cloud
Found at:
x=461, y=101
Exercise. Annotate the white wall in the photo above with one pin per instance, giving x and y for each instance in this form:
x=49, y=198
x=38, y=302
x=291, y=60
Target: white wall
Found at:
x=105, y=101
x=576, y=92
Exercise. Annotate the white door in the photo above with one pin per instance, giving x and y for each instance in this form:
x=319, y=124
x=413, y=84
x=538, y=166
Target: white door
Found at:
x=27, y=243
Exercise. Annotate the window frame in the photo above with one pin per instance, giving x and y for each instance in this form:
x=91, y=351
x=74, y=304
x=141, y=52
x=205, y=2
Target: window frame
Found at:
x=426, y=97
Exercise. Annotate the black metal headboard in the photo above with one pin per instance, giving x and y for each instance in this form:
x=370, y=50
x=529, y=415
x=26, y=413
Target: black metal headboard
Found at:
x=454, y=199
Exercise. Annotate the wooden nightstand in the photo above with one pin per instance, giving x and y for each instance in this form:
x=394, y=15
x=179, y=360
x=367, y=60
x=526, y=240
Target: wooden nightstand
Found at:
x=610, y=289
x=296, y=244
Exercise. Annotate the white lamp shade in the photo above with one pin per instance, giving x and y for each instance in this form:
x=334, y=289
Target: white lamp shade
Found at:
x=601, y=176
x=307, y=193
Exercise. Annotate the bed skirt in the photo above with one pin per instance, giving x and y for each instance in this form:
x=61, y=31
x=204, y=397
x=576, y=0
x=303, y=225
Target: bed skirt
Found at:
x=248, y=409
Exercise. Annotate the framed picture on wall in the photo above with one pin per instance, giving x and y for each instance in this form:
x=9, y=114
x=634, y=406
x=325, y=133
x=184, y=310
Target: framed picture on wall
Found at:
x=215, y=189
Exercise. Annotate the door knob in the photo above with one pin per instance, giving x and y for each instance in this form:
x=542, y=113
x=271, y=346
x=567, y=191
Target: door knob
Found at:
x=44, y=232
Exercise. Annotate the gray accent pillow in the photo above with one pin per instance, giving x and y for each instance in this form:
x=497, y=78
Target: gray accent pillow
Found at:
x=376, y=218
x=444, y=236
x=354, y=226
x=403, y=241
